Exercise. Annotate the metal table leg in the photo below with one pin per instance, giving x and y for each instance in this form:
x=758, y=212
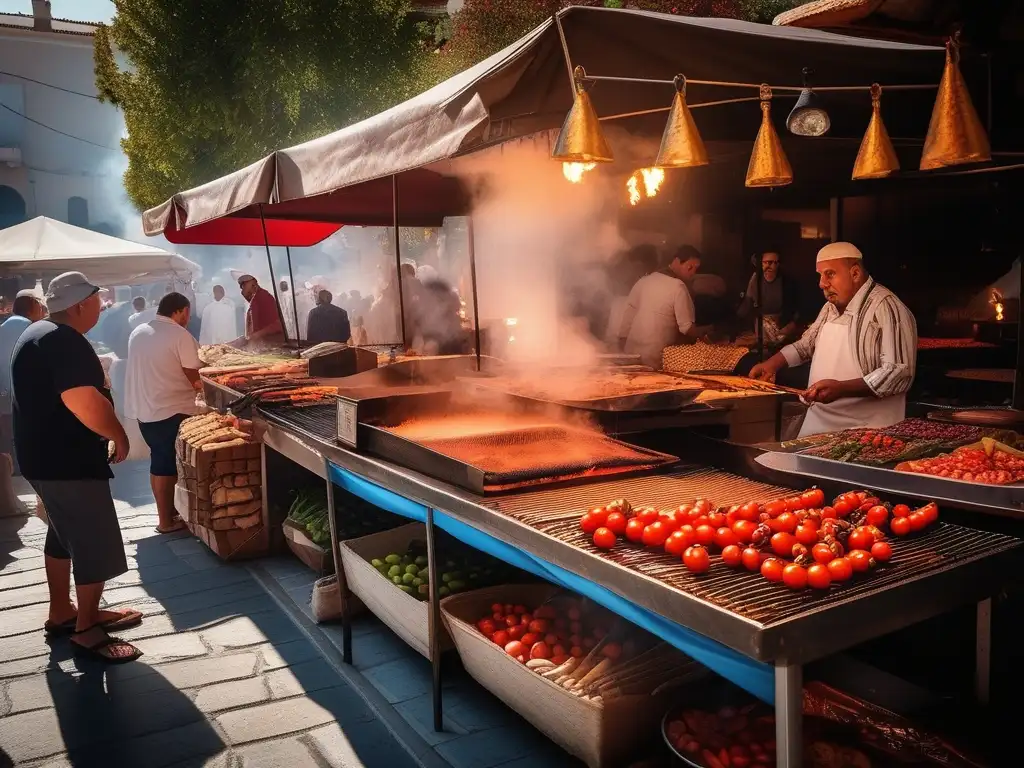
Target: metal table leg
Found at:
x=339, y=572
x=789, y=714
x=983, y=652
x=434, y=621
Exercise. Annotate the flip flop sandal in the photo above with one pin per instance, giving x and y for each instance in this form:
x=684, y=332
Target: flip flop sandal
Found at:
x=128, y=619
x=95, y=651
x=179, y=525
x=63, y=628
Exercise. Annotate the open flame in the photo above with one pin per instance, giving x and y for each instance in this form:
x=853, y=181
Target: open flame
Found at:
x=574, y=171
x=997, y=303
x=649, y=178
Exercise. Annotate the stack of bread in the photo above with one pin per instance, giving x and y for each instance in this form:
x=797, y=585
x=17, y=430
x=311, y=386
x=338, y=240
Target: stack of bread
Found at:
x=219, y=470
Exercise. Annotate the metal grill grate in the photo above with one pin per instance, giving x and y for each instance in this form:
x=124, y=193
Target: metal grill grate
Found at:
x=557, y=513
x=319, y=421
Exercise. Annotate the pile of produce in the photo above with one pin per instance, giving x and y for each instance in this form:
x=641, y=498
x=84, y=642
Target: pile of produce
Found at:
x=907, y=440
x=798, y=541
x=839, y=731
x=989, y=462
x=460, y=569
x=355, y=517
x=583, y=648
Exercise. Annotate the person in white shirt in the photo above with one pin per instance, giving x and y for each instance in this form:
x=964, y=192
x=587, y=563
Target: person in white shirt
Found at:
x=160, y=391
x=142, y=313
x=220, y=320
x=660, y=310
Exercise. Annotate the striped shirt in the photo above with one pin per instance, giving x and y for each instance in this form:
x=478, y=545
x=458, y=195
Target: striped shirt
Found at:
x=884, y=341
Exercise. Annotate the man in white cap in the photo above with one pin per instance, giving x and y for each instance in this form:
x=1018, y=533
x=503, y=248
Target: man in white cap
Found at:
x=862, y=348
x=63, y=422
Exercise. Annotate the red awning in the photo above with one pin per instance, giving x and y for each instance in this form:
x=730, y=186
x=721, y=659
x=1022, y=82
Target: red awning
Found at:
x=232, y=230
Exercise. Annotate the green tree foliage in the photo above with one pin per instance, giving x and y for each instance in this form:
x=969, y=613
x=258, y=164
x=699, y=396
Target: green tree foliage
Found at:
x=208, y=87
x=484, y=27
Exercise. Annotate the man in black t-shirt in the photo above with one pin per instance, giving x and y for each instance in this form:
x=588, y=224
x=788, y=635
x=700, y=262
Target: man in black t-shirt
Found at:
x=63, y=423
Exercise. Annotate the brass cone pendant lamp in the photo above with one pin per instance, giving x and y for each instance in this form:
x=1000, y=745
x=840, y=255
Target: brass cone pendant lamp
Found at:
x=681, y=144
x=955, y=133
x=877, y=157
x=581, y=140
x=769, y=166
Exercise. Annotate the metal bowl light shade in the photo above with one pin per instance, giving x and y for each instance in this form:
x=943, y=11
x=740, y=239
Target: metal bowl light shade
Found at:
x=581, y=139
x=808, y=116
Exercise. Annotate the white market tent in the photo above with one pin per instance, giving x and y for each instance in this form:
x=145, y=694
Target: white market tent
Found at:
x=45, y=247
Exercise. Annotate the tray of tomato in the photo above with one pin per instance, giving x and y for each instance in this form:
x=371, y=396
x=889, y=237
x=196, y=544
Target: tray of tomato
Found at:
x=798, y=541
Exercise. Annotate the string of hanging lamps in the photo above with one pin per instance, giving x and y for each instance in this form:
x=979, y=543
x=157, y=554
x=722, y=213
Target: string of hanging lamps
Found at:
x=955, y=132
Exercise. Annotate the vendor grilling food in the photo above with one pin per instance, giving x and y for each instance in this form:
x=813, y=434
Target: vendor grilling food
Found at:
x=262, y=319
x=862, y=348
x=777, y=299
x=660, y=310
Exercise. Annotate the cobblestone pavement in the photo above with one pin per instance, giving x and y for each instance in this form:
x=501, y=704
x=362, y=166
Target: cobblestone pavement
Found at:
x=228, y=679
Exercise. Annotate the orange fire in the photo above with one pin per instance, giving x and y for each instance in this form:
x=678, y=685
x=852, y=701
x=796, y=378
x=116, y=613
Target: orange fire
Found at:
x=647, y=179
x=997, y=302
x=574, y=171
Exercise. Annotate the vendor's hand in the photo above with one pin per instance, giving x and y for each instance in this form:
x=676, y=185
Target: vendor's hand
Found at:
x=824, y=391
x=762, y=372
x=121, y=449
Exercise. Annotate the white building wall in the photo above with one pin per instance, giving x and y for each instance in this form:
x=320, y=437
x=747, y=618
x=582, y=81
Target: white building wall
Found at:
x=54, y=167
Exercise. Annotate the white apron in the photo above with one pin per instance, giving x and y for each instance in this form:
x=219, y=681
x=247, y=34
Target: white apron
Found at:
x=833, y=359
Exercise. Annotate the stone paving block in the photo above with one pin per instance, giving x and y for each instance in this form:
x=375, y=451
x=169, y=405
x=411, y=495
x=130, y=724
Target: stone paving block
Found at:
x=285, y=654
x=22, y=596
x=151, y=574
x=283, y=566
x=304, y=678
x=29, y=618
x=236, y=693
x=403, y=679
x=23, y=667
x=204, y=561
x=280, y=718
x=486, y=749
x=303, y=579
x=24, y=646
x=25, y=564
x=374, y=648
x=187, y=546
x=181, y=645
x=185, y=674
x=290, y=752
x=195, y=744
x=369, y=744
x=21, y=578
x=31, y=735
x=473, y=708
x=271, y=626
x=419, y=713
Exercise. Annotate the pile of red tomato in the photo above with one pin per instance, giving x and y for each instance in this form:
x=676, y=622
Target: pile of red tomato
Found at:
x=545, y=633
x=798, y=541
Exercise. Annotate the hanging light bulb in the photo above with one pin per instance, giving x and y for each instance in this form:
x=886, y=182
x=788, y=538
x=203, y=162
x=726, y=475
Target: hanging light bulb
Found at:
x=581, y=139
x=681, y=144
x=955, y=134
x=769, y=166
x=808, y=116
x=876, y=158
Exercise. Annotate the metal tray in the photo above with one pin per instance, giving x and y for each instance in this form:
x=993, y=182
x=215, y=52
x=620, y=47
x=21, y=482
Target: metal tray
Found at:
x=664, y=400
x=1004, y=500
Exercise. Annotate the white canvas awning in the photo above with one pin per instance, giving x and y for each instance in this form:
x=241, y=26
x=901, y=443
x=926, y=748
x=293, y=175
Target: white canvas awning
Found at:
x=44, y=245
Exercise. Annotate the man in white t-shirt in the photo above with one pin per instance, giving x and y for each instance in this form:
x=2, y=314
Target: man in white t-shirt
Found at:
x=160, y=391
x=660, y=310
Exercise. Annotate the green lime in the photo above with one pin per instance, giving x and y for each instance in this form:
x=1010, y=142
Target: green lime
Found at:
x=421, y=561
x=406, y=588
x=393, y=559
x=444, y=592
x=397, y=580
x=395, y=570
x=414, y=570
x=407, y=578
x=417, y=582
x=455, y=586
x=376, y=562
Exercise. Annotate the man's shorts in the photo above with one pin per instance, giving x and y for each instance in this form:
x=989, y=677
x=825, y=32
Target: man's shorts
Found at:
x=83, y=528
x=160, y=437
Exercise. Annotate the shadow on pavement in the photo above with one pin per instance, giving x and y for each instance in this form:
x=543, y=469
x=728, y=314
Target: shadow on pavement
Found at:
x=126, y=715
